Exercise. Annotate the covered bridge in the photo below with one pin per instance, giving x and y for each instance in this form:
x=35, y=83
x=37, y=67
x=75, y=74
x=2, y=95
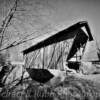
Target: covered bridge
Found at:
x=53, y=51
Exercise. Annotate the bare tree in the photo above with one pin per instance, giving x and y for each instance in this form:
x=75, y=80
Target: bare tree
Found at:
x=7, y=21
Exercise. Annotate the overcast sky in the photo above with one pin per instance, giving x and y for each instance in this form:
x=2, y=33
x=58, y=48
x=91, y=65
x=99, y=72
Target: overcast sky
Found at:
x=70, y=11
x=63, y=12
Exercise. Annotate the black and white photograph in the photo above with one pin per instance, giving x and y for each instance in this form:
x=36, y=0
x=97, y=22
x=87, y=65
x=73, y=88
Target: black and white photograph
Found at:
x=49, y=50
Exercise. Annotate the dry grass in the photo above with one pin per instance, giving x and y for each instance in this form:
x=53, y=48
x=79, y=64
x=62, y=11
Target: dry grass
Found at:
x=71, y=89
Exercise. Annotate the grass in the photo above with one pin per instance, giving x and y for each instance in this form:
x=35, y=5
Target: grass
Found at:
x=71, y=89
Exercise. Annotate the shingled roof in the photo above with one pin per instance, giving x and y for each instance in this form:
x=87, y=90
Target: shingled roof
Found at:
x=65, y=34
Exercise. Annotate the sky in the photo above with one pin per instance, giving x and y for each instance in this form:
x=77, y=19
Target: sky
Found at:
x=66, y=12
x=54, y=14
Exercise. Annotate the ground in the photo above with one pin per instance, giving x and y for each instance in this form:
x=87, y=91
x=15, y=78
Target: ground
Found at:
x=74, y=87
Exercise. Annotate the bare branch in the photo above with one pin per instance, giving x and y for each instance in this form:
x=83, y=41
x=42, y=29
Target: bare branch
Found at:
x=7, y=20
